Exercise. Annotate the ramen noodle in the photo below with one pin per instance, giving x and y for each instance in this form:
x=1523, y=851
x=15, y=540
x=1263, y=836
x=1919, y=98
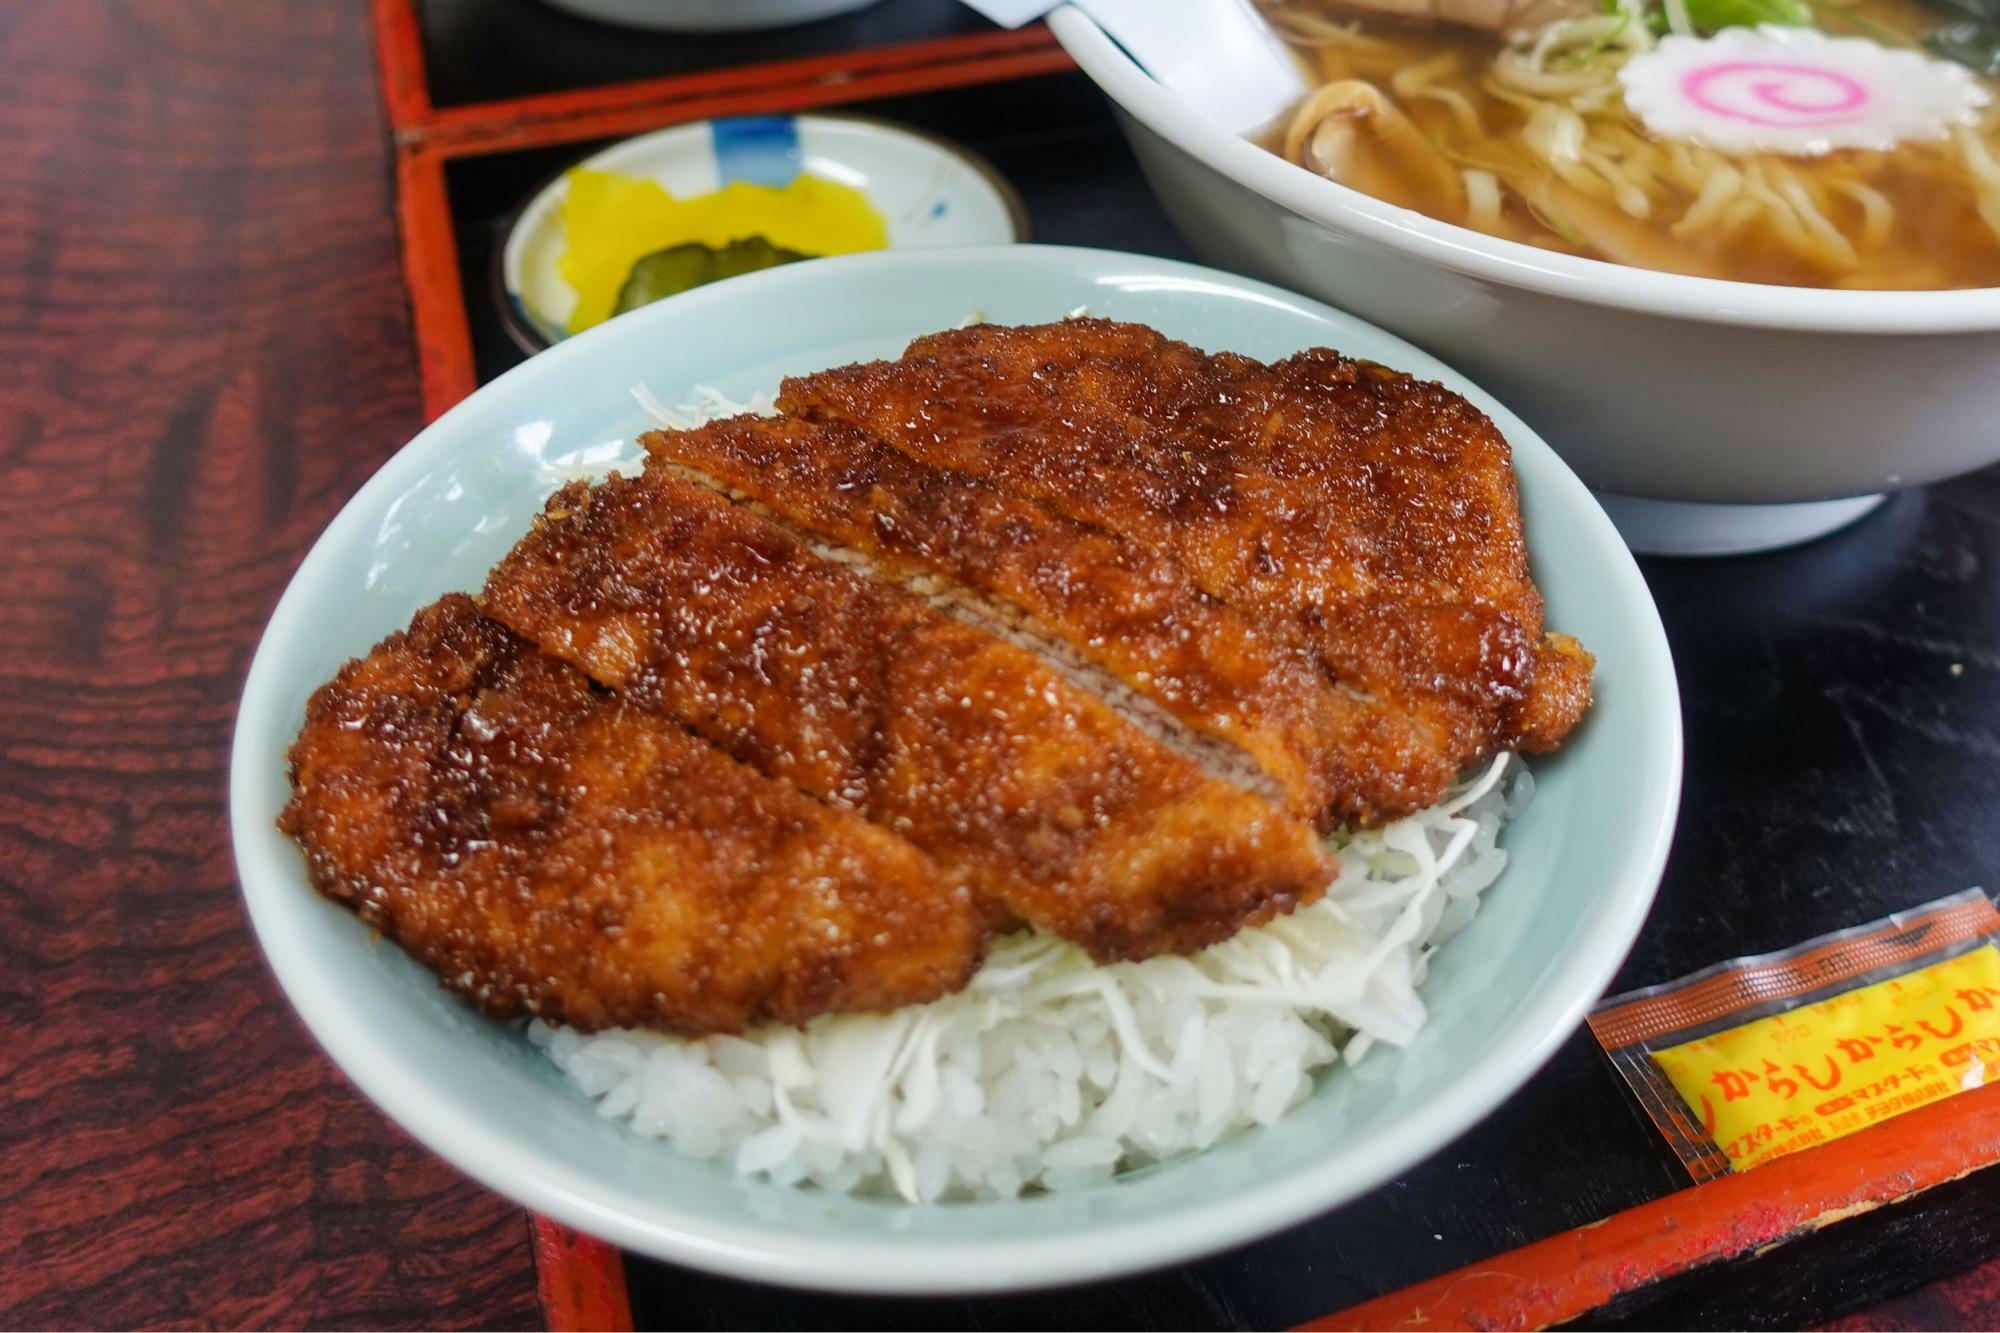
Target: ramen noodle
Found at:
x=1832, y=149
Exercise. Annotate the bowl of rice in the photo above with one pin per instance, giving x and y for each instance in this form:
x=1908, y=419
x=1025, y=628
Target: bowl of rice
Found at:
x=1057, y=1121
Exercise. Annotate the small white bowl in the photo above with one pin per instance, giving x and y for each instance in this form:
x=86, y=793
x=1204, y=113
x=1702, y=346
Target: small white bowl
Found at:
x=707, y=15
x=929, y=193
x=1743, y=398
x=1584, y=857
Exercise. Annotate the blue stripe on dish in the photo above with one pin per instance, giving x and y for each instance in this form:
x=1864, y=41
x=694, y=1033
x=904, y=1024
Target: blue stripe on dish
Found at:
x=763, y=150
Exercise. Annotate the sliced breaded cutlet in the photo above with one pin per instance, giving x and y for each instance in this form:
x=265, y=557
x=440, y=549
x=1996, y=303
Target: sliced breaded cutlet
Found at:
x=1121, y=617
x=1371, y=513
x=548, y=849
x=1058, y=806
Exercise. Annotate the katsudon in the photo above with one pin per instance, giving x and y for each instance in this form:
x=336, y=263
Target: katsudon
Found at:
x=1066, y=635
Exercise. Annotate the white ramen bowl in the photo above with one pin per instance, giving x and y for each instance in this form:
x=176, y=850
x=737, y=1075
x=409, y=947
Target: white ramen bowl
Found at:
x=1748, y=400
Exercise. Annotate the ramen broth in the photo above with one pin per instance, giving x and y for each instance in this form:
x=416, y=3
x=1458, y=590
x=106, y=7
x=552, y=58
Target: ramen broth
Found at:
x=1527, y=137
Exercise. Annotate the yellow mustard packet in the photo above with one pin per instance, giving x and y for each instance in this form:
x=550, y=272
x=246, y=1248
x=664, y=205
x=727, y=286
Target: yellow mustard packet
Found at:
x=611, y=221
x=1754, y=1058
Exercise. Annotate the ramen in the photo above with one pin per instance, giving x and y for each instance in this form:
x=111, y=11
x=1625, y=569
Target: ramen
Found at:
x=1753, y=140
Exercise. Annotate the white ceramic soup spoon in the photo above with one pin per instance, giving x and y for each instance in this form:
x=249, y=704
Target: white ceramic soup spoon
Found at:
x=1218, y=56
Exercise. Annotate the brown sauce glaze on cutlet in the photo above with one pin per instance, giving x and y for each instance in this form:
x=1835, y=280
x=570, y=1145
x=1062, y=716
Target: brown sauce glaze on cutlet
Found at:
x=548, y=849
x=1374, y=513
x=1078, y=592
x=1071, y=625
x=969, y=745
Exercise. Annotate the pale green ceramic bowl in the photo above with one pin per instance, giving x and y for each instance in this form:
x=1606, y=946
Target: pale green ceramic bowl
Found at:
x=1587, y=853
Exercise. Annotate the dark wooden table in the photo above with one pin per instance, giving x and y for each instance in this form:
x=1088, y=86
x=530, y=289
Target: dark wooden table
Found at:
x=207, y=351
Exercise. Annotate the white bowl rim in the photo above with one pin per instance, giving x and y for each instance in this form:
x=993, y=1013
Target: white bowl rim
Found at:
x=1567, y=991
x=1511, y=263
x=648, y=18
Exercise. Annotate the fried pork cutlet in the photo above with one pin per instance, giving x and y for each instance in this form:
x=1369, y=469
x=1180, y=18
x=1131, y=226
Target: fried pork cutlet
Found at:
x=548, y=849
x=1058, y=808
x=1128, y=616
x=1370, y=512
x=1070, y=625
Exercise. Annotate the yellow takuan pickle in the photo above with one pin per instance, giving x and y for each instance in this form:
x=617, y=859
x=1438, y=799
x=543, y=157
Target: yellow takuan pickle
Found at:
x=613, y=220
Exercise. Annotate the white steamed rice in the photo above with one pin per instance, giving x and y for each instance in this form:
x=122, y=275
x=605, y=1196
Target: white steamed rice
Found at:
x=1049, y=1071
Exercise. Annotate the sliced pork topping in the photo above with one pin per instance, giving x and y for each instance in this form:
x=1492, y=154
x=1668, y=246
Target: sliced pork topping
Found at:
x=1074, y=592
x=1071, y=626
x=1372, y=513
x=549, y=849
x=1053, y=803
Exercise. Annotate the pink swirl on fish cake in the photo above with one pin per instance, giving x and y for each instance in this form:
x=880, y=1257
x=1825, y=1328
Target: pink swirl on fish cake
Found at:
x=1777, y=93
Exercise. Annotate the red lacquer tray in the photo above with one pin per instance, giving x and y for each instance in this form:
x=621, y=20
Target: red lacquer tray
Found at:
x=1608, y=1233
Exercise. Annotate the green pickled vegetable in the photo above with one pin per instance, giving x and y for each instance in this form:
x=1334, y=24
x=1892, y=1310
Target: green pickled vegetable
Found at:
x=1709, y=16
x=679, y=268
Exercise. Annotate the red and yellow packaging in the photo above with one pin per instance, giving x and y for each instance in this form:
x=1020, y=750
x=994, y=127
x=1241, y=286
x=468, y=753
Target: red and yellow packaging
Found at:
x=1754, y=1058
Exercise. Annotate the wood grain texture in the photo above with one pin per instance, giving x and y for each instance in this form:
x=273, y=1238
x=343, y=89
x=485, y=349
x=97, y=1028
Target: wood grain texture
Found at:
x=206, y=351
